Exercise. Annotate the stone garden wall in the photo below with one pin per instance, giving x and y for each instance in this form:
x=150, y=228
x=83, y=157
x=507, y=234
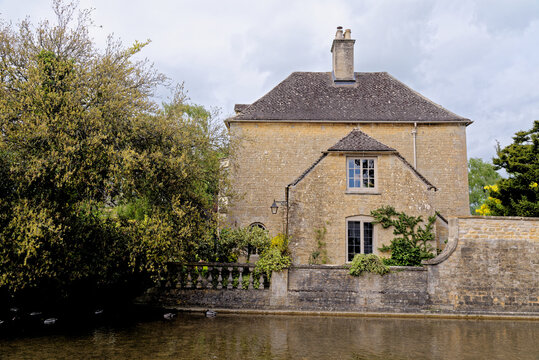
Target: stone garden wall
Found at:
x=489, y=266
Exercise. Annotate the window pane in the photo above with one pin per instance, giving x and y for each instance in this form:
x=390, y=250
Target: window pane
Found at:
x=367, y=237
x=357, y=162
x=365, y=164
x=350, y=163
x=354, y=239
x=371, y=164
x=351, y=182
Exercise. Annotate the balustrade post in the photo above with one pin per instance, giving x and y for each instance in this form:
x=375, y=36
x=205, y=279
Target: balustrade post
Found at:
x=219, y=279
x=261, y=280
x=230, y=284
x=199, y=279
x=209, y=284
x=240, y=282
x=189, y=284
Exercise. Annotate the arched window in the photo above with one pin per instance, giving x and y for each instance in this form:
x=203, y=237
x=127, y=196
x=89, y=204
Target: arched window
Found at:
x=259, y=225
x=252, y=250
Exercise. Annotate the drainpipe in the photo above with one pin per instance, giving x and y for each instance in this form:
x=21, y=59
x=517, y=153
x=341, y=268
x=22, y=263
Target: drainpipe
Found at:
x=287, y=208
x=414, y=134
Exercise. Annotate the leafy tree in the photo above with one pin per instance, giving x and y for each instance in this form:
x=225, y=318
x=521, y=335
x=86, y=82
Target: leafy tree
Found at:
x=480, y=174
x=518, y=195
x=98, y=183
x=413, y=242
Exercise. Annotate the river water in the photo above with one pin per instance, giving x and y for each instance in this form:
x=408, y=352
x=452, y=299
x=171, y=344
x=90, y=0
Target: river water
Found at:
x=193, y=336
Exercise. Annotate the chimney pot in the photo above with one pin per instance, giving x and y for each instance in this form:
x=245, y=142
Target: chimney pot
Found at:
x=339, y=34
x=347, y=34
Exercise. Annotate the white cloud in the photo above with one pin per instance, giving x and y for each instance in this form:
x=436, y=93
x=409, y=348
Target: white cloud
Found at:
x=477, y=58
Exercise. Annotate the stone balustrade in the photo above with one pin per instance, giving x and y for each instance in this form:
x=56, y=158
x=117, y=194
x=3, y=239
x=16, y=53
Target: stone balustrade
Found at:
x=220, y=276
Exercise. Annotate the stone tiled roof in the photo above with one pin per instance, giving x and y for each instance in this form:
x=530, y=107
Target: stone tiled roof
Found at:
x=359, y=141
x=239, y=108
x=374, y=97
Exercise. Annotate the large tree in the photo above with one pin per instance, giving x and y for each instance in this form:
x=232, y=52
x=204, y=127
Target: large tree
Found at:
x=480, y=174
x=518, y=195
x=97, y=182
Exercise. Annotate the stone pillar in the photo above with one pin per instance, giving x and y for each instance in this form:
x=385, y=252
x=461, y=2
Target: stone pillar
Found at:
x=279, y=288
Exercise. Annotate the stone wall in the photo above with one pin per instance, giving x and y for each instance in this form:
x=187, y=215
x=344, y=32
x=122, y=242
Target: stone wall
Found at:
x=269, y=156
x=490, y=264
x=324, y=288
x=211, y=298
x=314, y=287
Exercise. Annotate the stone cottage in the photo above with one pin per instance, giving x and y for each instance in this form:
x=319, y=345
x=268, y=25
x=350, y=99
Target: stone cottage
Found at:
x=323, y=149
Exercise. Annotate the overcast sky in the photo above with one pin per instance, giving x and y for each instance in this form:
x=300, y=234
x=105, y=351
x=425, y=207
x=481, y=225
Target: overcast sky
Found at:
x=479, y=59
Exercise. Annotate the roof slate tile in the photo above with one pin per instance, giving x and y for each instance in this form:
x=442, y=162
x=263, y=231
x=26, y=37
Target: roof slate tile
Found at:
x=374, y=97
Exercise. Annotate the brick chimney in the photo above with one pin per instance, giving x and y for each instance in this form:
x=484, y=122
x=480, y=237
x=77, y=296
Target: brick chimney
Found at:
x=343, y=56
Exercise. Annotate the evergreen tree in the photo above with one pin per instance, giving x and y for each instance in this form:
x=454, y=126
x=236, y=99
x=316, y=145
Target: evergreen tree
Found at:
x=518, y=195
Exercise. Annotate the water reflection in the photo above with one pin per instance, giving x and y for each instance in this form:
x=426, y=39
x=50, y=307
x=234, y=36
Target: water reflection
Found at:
x=289, y=337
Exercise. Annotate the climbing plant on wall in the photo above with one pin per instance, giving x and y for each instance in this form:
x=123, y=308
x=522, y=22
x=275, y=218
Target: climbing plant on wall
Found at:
x=412, y=243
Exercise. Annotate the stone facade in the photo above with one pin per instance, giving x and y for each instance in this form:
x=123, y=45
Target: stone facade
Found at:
x=280, y=136
x=321, y=199
x=269, y=156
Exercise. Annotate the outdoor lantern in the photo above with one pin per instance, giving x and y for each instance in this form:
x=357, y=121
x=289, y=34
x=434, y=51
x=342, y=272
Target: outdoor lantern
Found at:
x=274, y=207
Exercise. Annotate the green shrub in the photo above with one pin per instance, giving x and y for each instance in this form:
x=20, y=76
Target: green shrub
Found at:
x=367, y=263
x=275, y=258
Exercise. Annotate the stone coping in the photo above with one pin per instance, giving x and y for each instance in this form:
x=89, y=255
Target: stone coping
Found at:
x=346, y=267
x=495, y=217
x=327, y=267
x=444, y=255
x=412, y=315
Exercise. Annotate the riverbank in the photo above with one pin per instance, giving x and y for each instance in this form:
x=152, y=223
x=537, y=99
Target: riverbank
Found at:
x=352, y=314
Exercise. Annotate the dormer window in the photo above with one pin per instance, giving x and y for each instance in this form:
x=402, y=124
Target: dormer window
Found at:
x=361, y=174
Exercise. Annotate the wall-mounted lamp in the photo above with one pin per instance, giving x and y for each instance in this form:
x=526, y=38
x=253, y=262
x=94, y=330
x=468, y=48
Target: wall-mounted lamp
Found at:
x=275, y=206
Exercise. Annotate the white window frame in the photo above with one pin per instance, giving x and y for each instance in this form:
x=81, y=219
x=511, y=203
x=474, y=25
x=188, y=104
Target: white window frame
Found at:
x=362, y=220
x=362, y=189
